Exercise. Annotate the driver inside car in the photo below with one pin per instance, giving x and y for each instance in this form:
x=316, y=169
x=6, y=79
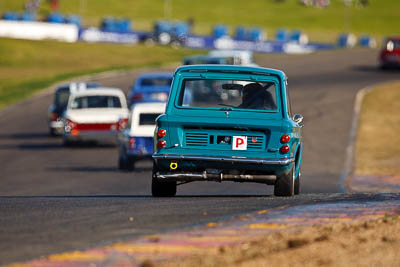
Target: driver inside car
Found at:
x=254, y=96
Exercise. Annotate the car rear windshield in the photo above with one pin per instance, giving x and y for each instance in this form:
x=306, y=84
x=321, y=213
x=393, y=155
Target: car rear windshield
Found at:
x=392, y=44
x=148, y=118
x=204, y=60
x=160, y=81
x=235, y=94
x=96, y=101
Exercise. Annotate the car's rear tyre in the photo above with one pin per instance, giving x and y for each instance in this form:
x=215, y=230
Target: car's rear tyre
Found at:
x=52, y=132
x=68, y=143
x=130, y=165
x=122, y=164
x=297, y=185
x=285, y=184
x=161, y=188
x=383, y=67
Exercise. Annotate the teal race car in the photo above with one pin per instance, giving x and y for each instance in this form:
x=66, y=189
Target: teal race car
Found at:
x=236, y=126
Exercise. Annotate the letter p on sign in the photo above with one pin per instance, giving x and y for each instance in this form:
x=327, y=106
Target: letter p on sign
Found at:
x=239, y=143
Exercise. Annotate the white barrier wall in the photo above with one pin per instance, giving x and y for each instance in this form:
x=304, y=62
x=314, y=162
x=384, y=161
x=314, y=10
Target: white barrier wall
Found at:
x=93, y=35
x=39, y=30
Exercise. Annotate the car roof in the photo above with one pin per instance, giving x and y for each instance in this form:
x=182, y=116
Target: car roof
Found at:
x=156, y=75
x=77, y=86
x=100, y=91
x=199, y=57
x=226, y=53
x=396, y=38
x=230, y=68
x=149, y=106
x=202, y=58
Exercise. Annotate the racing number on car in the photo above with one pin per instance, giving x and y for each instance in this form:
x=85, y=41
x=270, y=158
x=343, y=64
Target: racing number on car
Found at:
x=239, y=143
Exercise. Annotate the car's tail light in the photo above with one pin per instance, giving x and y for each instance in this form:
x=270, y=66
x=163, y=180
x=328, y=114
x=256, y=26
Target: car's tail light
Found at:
x=122, y=124
x=74, y=132
x=285, y=138
x=137, y=97
x=284, y=149
x=161, y=133
x=132, y=143
x=159, y=96
x=161, y=143
x=70, y=126
x=54, y=116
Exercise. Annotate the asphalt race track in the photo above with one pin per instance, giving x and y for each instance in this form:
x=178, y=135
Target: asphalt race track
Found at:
x=55, y=199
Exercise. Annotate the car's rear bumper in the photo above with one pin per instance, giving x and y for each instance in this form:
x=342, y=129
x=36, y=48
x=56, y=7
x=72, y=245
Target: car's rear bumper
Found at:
x=107, y=136
x=143, y=146
x=217, y=177
x=56, y=124
x=245, y=160
x=57, y=127
x=188, y=168
x=390, y=59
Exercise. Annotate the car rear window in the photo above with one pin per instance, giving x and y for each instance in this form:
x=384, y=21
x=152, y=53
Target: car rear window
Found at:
x=148, y=118
x=235, y=94
x=97, y=101
x=392, y=44
x=161, y=81
x=205, y=60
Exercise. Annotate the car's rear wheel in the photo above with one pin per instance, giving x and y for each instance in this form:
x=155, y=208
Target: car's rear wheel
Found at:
x=130, y=165
x=161, y=188
x=52, y=132
x=122, y=163
x=68, y=143
x=297, y=185
x=285, y=183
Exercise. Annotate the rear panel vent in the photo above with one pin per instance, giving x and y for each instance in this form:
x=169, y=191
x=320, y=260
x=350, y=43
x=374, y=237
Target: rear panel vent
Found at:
x=196, y=139
x=255, y=142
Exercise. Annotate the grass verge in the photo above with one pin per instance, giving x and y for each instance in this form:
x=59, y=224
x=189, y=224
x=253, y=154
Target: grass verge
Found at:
x=378, y=142
x=28, y=66
x=361, y=243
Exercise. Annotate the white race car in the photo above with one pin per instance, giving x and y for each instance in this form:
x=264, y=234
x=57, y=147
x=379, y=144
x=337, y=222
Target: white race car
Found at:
x=136, y=142
x=95, y=115
x=60, y=102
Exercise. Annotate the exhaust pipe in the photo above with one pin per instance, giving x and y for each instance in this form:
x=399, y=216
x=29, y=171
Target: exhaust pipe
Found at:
x=265, y=179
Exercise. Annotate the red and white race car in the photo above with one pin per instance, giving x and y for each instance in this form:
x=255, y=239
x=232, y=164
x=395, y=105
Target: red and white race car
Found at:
x=390, y=53
x=95, y=115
